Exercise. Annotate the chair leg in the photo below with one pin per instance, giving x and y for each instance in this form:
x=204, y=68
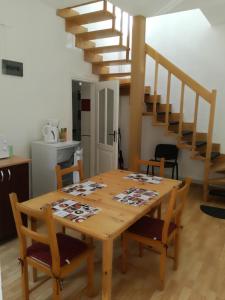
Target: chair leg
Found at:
x=176, y=250
x=25, y=281
x=173, y=172
x=90, y=275
x=124, y=253
x=141, y=248
x=56, y=289
x=177, y=171
x=153, y=171
x=162, y=268
x=159, y=211
x=63, y=229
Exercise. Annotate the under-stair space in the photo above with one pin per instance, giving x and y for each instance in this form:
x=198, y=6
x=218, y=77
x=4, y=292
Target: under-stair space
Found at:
x=103, y=32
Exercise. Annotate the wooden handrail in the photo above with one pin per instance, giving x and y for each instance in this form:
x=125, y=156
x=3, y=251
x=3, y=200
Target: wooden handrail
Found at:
x=177, y=72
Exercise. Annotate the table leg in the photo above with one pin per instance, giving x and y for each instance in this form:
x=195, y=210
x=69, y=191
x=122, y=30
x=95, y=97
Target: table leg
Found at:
x=33, y=226
x=107, y=253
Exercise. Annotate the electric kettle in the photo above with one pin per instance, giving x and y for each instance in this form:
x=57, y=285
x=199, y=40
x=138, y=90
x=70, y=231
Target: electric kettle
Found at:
x=50, y=133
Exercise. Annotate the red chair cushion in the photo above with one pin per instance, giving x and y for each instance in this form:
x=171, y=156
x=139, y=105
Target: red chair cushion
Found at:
x=69, y=248
x=150, y=228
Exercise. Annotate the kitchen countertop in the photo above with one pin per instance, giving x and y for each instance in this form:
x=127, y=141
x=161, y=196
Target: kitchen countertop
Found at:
x=12, y=161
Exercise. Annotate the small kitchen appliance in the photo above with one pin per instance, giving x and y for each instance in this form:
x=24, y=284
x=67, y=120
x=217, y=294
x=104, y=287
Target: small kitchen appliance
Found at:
x=50, y=131
x=4, y=147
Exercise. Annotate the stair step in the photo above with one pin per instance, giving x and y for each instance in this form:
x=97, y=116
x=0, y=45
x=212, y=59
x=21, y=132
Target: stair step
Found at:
x=149, y=99
x=163, y=113
x=93, y=17
x=98, y=34
x=112, y=63
x=217, y=181
x=172, y=123
x=198, y=144
x=202, y=156
x=115, y=75
x=213, y=191
x=125, y=88
x=187, y=132
x=214, y=155
x=106, y=49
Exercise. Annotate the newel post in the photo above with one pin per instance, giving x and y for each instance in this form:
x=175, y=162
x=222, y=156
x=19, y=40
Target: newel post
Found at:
x=137, y=89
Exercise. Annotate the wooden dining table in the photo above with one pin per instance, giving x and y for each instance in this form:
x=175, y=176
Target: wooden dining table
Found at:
x=114, y=217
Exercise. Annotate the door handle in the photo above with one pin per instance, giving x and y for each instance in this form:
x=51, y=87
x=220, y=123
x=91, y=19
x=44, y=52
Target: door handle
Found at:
x=115, y=136
x=9, y=173
x=2, y=174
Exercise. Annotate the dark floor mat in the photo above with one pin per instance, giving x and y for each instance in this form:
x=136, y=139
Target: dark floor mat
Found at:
x=215, y=212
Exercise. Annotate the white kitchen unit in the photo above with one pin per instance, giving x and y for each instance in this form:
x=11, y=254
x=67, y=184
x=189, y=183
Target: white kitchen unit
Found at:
x=44, y=159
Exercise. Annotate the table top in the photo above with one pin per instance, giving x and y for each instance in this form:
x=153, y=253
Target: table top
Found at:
x=114, y=217
x=12, y=161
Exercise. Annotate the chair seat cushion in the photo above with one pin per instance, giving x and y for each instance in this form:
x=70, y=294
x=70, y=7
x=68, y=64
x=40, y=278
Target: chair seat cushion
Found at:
x=151, y=228
x=69, y=248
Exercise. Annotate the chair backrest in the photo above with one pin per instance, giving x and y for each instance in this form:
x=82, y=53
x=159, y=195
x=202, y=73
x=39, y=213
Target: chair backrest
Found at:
x=25, y=233
x=152, y=163
x=175, y=207
x=168, y=151
x=61, y=172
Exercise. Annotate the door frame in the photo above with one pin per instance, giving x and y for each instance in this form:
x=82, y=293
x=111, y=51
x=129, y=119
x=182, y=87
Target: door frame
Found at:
x=92, y=131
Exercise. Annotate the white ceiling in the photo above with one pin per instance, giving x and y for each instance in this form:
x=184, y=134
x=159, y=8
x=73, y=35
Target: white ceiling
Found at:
x=214, y=10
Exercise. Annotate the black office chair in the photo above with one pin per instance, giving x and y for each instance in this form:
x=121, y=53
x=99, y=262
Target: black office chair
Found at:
x=169, y=153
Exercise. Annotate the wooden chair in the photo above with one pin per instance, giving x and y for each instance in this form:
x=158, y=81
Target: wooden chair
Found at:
x=157, y=233
x=61, y=172
x=65, y=171
x=152, y=163
x=55, y=254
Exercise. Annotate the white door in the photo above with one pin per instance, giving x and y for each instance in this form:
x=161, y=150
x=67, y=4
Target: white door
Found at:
x=107, y=119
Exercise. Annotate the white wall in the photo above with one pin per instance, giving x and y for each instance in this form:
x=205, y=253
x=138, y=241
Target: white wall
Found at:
x=191, y=43
x=34, y=35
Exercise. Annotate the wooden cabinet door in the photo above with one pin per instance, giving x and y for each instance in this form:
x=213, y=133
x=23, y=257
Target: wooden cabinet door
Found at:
x=15, y=179
x=7, y=225
x=19, y=181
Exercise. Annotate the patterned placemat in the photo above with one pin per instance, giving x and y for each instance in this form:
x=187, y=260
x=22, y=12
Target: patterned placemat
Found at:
x=144, y=178
x=83, y=189
x=135, y=196
x=73, y=210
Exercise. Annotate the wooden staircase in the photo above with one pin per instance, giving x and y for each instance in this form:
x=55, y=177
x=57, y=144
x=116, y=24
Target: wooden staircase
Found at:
x=85, y=39
x=199, y=144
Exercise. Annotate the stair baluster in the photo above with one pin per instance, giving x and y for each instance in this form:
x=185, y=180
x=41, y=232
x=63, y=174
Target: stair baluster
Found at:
x=168, y=99
x=181, y=117
x=128, y=38
x=155, y=91
x=195, y=124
